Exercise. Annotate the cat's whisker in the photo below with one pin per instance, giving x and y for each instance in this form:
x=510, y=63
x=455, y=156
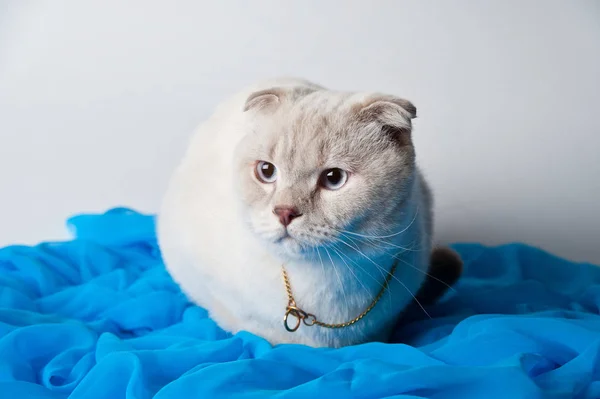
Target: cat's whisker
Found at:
x=410, y=292
x=425, y=273
x=379, y=282
x=394, y=277
x=354, y=274
x=395, y=256
x=369, y=240
x=355, y=247
x=360, y=252
x=339, y=279
x=358, y=265
x=411, y=248
x=385, y=236
x=385, y=244
x=354, y=242
x=321, y=260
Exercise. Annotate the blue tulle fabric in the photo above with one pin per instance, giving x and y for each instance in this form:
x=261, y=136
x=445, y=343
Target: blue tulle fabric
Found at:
x=99, y=317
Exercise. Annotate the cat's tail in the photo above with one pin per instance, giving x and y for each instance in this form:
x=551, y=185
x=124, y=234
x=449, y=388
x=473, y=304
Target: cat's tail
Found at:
x=445, y=268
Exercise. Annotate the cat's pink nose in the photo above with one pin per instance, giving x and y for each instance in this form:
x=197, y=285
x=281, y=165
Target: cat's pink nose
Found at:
x=286, y=214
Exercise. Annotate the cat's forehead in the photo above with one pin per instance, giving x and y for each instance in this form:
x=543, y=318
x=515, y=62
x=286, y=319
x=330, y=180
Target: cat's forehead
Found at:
x=317, y=128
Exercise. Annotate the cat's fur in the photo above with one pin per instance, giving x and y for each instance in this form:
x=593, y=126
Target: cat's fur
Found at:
x=222, y=243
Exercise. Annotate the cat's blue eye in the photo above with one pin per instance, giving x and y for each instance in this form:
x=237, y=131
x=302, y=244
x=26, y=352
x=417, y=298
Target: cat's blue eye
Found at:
x=333, y=179
x=265, y=172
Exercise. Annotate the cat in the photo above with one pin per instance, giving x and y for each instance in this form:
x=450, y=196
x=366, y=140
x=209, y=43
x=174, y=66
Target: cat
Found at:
x=288, y=175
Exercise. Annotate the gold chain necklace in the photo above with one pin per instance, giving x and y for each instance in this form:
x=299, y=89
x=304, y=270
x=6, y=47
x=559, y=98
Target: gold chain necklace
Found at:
x=310, y=319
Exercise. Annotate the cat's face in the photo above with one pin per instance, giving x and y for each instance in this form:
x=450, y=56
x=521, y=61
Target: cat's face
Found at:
x=318, y=169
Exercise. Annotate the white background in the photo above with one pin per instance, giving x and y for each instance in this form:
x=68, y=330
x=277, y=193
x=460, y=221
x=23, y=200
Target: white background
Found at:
x=98, y=98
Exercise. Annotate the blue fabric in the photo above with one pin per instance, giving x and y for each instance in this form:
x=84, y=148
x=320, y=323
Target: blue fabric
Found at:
x=99, y=317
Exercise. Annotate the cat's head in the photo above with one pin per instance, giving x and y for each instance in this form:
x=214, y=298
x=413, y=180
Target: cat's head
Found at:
x=317, y=168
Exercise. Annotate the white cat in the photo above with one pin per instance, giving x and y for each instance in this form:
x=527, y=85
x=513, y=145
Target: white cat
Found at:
x=290, y=176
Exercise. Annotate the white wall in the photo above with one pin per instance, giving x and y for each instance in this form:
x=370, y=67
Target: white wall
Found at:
x=97, y=99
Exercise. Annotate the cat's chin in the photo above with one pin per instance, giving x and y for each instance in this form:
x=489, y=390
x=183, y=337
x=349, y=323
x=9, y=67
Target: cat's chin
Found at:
x=289, y=248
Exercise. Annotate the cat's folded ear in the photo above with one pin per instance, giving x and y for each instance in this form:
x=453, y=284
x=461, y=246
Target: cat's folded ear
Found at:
x=264, y=99
x=383, y=105
x=270, y=99
x=394, y=114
